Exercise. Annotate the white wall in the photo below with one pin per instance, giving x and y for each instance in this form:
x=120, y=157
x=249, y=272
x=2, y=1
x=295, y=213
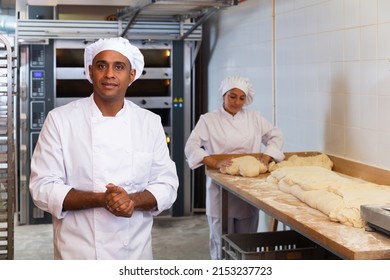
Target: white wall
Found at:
x=332, y=71
x=238, y=41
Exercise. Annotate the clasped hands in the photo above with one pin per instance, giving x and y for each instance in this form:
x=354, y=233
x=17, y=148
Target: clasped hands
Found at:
x=118, y=201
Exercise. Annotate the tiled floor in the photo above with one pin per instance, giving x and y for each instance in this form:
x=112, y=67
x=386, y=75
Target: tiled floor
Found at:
x=174, y=238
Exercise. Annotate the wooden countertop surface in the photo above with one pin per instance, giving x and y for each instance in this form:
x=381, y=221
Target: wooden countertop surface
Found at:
x=345, y=241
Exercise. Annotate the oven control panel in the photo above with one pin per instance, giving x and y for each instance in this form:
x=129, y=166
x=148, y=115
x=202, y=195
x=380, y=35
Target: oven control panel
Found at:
x=37, y=89
x=37, y=79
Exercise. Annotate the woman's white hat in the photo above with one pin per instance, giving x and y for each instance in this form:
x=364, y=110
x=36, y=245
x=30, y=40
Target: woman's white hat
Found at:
x=118, y=44
x=240, y=83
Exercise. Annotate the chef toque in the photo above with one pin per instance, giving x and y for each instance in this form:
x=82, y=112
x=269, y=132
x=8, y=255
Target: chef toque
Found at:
x=118, y=44
x=240, y=83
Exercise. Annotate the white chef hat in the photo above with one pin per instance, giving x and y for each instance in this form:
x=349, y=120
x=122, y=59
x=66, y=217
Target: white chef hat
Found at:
x=240, y=83
x=118, y=44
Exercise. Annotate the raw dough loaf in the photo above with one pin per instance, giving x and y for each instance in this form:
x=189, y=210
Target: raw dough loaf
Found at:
x=318, y=160
x=337, y=196
x=246, y=166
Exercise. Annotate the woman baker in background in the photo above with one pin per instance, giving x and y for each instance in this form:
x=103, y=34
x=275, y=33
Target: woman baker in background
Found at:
x=231, y=129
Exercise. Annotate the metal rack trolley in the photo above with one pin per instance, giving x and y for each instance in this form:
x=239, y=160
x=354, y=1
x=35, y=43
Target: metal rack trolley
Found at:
x=7, y=156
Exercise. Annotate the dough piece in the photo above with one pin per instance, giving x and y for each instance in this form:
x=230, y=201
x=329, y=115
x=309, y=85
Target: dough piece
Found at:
x=355, y=195
x=246, y=166
x=320, y=199
x=335, y=195
x=309, y=177
x=319, y=160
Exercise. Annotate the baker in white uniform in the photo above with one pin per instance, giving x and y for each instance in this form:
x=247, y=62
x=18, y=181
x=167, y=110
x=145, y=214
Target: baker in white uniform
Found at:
x=231, y=129
x=101, y=166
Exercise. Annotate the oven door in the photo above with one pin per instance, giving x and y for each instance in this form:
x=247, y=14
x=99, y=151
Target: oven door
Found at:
x=71, y=84
x=70, y=80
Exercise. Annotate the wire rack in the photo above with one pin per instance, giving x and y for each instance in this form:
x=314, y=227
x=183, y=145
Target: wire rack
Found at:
x=7, y=148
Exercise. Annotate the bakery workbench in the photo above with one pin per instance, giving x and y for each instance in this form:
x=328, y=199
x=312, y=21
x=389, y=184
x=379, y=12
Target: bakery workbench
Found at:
x=344, y=241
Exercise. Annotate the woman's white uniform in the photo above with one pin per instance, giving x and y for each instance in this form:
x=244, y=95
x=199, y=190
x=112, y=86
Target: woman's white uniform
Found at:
x=80, y=148
x=219, y=132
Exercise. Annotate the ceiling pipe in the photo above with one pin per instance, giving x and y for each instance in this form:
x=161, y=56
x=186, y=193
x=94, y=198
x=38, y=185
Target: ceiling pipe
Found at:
x=7, y=24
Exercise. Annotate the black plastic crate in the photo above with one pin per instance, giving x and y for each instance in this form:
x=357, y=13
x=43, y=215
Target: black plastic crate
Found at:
x=278, y=245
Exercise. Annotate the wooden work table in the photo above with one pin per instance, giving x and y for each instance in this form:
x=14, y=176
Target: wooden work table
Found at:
x=344, y=241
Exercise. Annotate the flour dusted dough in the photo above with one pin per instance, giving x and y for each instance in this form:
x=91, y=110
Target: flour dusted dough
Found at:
x=246, y=166
x=337, y=196
x=318, y=160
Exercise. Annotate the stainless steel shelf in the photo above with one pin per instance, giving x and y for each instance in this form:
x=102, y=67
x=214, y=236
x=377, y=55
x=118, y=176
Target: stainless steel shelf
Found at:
x=171, y=10
x=35, y=31
x=139, y=20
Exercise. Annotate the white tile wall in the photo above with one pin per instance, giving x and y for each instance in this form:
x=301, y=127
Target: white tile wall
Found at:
x=332, y=71
x=240, y=43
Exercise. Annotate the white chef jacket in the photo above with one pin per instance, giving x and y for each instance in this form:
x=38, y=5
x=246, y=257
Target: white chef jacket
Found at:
x=80, y=148
x=219, y=132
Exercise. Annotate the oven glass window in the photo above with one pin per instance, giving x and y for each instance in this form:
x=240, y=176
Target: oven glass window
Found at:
x=157, y=58
x=70, y=57
x=149, y=87
x=73, y=88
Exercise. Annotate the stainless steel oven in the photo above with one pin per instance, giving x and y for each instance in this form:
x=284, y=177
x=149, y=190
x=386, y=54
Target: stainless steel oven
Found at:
x=52, y=74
